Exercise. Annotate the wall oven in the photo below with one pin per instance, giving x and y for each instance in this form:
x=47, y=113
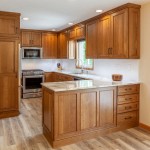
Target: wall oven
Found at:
x=31, y=52
x=32, y=80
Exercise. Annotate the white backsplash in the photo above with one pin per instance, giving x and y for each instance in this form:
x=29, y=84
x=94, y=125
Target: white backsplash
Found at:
x=103, y=67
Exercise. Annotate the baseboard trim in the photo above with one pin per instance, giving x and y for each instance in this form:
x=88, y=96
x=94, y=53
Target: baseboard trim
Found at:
x=144, y=126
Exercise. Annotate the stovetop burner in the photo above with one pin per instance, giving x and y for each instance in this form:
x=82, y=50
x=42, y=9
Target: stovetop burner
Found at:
x=32, y=72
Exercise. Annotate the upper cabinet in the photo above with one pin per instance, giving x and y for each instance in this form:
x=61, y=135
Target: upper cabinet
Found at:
x=119, y=34
x=91, y=39
x=115, y=35
x=31, y=38
x=63, y=45
x=9, y=24
x=49, y=45
x=77, y=32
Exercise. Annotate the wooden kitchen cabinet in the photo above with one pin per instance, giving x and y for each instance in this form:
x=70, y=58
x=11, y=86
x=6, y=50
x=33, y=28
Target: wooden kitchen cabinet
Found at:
x=9, y=24
x=82, y=113
x=49, y=45
x=77, y=33
x=31, y=38
x=119, y=34
x=115, y=34
x=57, y=77
x=128, y=105
x=104, y=38
x=63, y=45
x=134, y=33
x=88, y=101
x=92, y=39
x=9, y=105
x=107, y=107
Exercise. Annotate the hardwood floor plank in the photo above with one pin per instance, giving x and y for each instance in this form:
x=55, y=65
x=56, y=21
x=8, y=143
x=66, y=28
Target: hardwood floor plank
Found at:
x=8, y=134
x=25, y=133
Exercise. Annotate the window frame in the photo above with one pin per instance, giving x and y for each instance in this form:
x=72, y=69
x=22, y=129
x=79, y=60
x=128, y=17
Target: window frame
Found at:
x=77, y=56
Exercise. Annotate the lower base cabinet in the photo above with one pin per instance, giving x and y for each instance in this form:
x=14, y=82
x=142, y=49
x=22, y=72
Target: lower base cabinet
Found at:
x=72, y=116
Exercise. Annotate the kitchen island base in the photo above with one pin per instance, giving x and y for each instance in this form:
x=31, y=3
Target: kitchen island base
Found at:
x=75, y=115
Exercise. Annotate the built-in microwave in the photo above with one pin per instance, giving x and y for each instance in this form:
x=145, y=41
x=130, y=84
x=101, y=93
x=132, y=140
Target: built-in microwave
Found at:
x=31, y=52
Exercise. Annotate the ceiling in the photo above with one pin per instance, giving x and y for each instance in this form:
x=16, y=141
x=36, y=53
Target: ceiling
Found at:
x=56, y=14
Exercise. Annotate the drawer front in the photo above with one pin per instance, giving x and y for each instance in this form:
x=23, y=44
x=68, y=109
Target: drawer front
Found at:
x=127, y=107
x=128, y=89
x=128, y=98
x=127, y=117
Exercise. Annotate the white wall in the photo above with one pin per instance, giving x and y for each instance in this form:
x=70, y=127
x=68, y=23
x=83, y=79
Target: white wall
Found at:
x=145, y=65
x=102, y=67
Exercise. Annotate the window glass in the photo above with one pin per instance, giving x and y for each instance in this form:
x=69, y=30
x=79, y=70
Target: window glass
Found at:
x=82, y=62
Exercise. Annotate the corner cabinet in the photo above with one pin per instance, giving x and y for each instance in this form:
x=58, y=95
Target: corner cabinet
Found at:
x=91, y=39
x=115, y=35
x=63, y=45
x=49, y=45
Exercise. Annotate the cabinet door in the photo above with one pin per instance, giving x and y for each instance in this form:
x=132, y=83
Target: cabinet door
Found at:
x=36, y=39
x=49, y=77
x=8, y=56
x=134, y=33
x=9, y=26
x=8, y=77
x=119, y=29
x=104, y=33
x=66, y=114
x=63, y=45
x=26, y=38
x=8, y=92
x=88, y=110
x=49, y=44
x=72, y=34
x=107, y=107
x=80, y=32
x=91, y=39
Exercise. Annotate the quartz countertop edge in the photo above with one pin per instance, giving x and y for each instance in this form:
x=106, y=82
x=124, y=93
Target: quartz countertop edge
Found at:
x=82, y=84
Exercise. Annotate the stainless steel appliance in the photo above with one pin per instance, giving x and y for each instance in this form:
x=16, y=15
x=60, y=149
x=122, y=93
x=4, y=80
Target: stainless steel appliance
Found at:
x=31, y=80
x=31, y=52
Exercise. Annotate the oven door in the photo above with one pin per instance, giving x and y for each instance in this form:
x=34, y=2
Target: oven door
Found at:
x=32, y=84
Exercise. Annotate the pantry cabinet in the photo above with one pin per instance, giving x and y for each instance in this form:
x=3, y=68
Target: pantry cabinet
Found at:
x=49, y=45
x=115, y=34
x=31, y=38
x=9, y=81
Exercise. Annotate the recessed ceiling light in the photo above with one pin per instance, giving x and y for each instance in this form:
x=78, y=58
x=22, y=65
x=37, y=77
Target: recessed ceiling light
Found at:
x=25, y=18
x=53, y=29
x=70, y=23
x=99, y=11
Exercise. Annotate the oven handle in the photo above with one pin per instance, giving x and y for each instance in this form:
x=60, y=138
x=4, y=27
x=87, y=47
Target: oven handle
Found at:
x=33, y=76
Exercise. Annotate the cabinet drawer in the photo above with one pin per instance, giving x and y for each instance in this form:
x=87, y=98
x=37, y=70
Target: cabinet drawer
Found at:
x=127, y=117
x=127, y=107
x=128, y=89
x=128, y=98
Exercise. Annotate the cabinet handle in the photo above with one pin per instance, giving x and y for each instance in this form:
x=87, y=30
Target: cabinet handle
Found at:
x=16, y=30
x=108, y=51
x=111, y=51
x=128, y=99
x=32, y=41
x=128, y=107
x=127, y=118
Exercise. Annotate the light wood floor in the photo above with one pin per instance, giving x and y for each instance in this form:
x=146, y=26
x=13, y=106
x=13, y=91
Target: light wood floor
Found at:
x=25, y=133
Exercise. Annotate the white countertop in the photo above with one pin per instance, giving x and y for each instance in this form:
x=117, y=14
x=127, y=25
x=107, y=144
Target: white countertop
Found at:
x=82, y=84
